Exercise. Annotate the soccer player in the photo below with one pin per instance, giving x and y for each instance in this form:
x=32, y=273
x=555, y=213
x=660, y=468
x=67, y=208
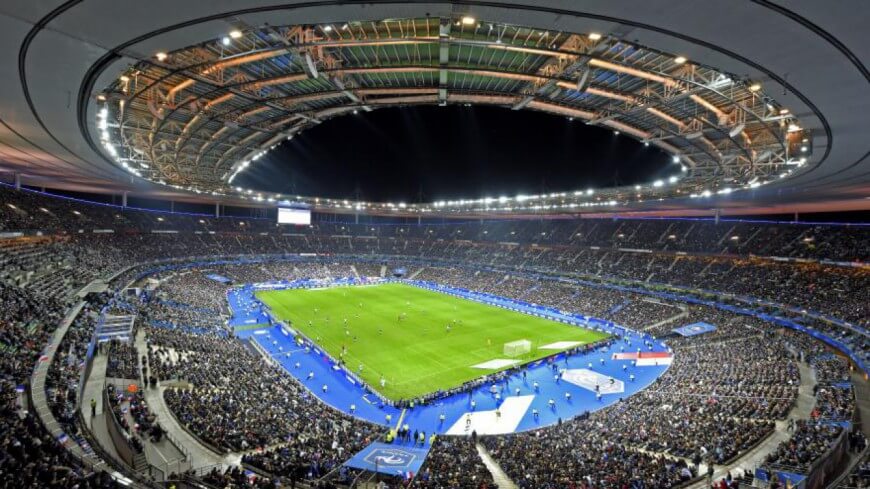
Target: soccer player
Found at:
x=310, y=375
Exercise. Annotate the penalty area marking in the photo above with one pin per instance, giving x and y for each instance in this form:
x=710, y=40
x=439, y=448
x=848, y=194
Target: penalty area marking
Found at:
x=495, y=364
x=560, y=345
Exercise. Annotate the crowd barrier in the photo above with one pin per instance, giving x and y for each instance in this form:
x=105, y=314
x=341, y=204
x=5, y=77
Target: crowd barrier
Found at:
x=116, y=432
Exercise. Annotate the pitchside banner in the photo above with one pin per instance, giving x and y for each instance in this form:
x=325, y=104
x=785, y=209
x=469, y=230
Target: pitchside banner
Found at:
x=394, y=460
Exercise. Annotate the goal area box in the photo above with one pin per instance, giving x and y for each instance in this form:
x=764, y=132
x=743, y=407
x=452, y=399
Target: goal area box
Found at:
x=517, y=348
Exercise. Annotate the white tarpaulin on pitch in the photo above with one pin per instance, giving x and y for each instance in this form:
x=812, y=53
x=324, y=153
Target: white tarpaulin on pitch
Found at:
x=588, y=379
x=560, y=345
x=495, y=364
x=487, y=423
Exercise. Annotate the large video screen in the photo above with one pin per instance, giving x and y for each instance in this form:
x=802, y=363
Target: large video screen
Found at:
x=300, y=217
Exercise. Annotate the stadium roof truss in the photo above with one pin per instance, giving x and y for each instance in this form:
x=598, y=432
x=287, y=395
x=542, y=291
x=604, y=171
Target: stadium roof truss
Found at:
x=197, y=117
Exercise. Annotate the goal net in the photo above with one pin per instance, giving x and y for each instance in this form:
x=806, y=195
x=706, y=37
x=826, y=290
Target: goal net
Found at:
x=517, y=348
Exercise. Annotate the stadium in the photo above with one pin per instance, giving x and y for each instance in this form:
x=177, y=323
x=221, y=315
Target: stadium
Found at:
x=436, y=245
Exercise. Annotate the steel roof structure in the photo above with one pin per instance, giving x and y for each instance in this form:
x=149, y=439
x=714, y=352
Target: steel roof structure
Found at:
x=760, y=104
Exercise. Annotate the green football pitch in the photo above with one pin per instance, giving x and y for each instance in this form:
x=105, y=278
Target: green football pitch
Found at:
x=417, y=354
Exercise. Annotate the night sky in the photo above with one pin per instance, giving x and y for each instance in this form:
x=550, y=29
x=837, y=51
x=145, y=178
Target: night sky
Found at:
x=429, y=153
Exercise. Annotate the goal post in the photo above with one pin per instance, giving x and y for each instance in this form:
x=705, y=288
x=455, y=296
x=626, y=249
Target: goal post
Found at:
x=517, y=348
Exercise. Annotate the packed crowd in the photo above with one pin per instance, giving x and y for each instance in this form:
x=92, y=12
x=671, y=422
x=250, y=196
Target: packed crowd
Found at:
x=64, y=373
x=239, y=403
x=123, y=363
x=809, y=442
x=194, y=288
x=718, y=400
x=835, y=403
x=812, y=286
x=34, y=211
x=29, y=455
x=575, y=453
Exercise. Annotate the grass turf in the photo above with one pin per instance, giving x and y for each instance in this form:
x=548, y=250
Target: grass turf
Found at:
x=416, y=355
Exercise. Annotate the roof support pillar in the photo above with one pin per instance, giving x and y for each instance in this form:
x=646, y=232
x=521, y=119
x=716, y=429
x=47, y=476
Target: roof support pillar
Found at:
x=17, y=177
x=443, y=59
x=217, y=209
x=124, y=200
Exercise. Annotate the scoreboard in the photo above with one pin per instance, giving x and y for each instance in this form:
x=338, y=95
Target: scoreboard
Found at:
x=296, y=215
